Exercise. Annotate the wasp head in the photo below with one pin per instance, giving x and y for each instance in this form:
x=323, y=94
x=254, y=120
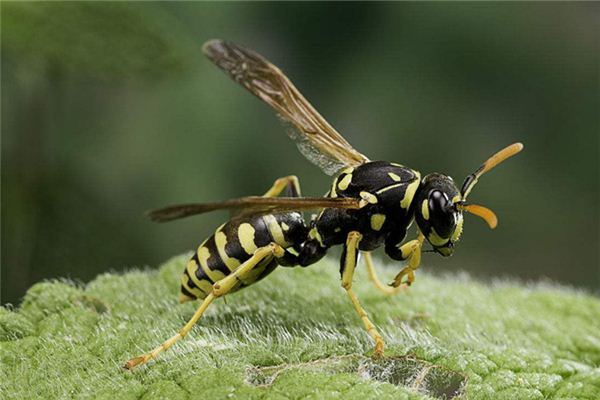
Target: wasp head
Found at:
x=439, y=204
x=438, y=214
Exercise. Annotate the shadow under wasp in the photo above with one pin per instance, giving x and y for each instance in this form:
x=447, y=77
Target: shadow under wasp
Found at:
x=370, y=204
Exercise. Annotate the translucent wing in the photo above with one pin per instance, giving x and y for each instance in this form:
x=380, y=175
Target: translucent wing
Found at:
x=317, y=140
x=253, y=205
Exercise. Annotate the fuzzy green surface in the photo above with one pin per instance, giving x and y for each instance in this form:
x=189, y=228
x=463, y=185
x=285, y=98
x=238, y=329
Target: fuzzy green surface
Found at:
x=296, y=335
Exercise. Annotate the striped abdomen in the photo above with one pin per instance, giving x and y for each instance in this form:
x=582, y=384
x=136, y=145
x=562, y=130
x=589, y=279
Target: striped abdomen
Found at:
x=232, y=244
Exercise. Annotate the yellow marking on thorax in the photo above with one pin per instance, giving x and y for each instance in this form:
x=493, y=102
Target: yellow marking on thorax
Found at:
x=396, y=164
x=394, y=177
x=314, y=234
x=285, y=227
x=221, y=241
x=275, y=230
x=333, y=192
x=377, y=221
x=344, y=182
x=425, y=210
x=410, y=191
x=203, y=256
x=246, y=237
x=368, y=197
x=385, y=189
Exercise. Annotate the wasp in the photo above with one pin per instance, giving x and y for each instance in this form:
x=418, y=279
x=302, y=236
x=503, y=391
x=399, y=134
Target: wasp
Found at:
x=369, y=204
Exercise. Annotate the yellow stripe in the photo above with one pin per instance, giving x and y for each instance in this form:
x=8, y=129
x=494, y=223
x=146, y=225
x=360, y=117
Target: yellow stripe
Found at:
x=203, y=284
x=377, y=221
x=425, y=210
x=410, y=191
x=275, y=230
x=183, y=298
x=203, y=256
x=332, y=192
x=345, y=182
x=246, y=236
x=458, y=229
x=195, y=291
x=256, y=272
x=436, y=239
x=385, y=189
x=368, y=197
x=192, y=267
x=394, y=177
x=221, y=241
x=314, y=234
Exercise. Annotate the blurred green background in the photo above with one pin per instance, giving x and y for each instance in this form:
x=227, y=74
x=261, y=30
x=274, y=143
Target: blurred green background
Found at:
x=109, y=109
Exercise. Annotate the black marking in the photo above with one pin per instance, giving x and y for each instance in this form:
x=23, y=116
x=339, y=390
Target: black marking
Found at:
x=215, y=262
x=233, y=247
x=187, y=293
x=192, y=284
x=262, y=237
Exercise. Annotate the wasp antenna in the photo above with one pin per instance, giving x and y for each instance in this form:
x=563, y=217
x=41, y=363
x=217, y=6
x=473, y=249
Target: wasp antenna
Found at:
x=490, y=163
x=482, y=212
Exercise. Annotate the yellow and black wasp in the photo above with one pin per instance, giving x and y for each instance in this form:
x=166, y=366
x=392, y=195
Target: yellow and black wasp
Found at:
x=370, y=204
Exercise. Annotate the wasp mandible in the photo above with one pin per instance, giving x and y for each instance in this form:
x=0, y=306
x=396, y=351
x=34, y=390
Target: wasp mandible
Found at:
x=370, y=204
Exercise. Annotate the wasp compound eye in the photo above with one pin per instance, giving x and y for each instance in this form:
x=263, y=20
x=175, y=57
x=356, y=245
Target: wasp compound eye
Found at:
x=441, y=213
x=438, y=202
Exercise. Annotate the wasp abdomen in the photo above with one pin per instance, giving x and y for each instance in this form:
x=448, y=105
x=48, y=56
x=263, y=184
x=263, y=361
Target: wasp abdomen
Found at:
x=234, y=243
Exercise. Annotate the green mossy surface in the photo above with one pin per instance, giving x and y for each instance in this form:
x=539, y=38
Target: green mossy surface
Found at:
x=295, y=335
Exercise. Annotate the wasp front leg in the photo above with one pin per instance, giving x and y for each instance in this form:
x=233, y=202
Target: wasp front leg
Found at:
x=373, y=277
x=348, y=265
x=410, y=251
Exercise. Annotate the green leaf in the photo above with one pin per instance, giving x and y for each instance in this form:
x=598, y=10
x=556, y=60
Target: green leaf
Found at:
x=295, y=335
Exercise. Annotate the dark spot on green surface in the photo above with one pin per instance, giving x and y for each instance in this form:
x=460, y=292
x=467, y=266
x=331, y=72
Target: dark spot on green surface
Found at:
x=420, y=376
x=409, y=372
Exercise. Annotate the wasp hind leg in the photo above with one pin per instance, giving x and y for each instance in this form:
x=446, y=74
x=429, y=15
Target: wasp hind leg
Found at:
x=373, y=277
x=219, y=289
x=288, y=185
x=348, y=265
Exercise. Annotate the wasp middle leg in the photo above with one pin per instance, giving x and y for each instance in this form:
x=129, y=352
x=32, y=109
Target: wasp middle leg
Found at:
x=219, y=289
x=348, y=265
x=373, y=277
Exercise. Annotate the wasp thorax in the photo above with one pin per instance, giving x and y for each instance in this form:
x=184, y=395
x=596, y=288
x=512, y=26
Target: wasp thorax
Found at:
x=436, y=213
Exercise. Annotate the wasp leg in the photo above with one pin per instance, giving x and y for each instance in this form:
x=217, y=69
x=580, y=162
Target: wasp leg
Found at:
x=220, y=288
x=412, y=252
x=373, y=277
x=290, y=184
x=349, y=258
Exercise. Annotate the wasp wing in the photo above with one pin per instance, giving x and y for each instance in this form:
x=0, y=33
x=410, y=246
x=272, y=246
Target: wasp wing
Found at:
x=318, y=141
x=253, y=205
